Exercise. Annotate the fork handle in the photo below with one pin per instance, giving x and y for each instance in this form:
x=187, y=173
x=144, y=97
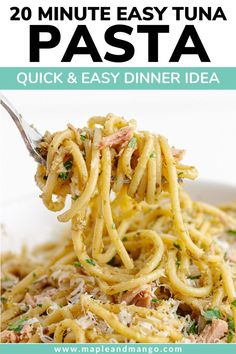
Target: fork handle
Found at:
x=17, y=118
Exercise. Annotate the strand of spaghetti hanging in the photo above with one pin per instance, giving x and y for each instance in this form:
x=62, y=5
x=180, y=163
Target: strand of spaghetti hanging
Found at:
x=139, y=170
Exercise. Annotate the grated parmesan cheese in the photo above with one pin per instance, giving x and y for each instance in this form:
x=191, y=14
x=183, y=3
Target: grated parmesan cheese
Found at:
x=86, y=321
x=31, y=321
x=125, y=317
x=44, y=338
x=52, y=308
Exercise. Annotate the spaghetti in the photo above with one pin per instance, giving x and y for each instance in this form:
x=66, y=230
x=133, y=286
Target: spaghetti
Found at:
x=142, y=261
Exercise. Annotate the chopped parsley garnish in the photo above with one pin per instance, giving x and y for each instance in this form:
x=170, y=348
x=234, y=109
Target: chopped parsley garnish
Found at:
x=75, y=197
x=177, y=246
x=18, y=325
x=177, y=263
x=180, y=174
x=83, y=136
x=112, y=261
x=77, y=264
x=193, y=328
x=233, y=303
x=193, y=277
x=63, y=175
x=231, y=325
x=230, y=337
x=34, y=275
x=125, y=239
x=68, y=164
x=113, y=226
x=232, y=232
x=153, y=155
x=212, y=313
x=91, y=261
x=39, y=305
x=3, y=299
x=154, y=300
x=132, y=143
x=225, y=256
x=6, y=279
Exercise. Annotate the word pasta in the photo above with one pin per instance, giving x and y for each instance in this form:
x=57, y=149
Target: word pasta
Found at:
x=112, y=37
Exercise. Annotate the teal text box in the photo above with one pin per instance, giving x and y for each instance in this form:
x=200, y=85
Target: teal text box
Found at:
x=117, y=348
x=115, y=78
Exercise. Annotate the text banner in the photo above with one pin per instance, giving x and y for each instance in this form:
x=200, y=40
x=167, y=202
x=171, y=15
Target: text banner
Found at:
x=113, y=78
x=117, y=348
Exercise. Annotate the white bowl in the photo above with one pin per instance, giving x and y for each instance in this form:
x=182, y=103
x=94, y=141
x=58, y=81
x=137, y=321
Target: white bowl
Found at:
x=28, y=221
x=211, y=192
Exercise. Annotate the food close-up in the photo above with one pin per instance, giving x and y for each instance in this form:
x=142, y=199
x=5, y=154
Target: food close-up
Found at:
x=139, y=260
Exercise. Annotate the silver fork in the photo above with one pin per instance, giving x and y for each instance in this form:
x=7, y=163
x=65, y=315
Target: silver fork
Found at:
x=29, y=134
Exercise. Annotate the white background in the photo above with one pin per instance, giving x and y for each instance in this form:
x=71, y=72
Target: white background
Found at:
x=218, y=36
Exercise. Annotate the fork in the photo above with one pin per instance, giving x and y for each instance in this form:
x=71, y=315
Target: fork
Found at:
x=30, y=135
